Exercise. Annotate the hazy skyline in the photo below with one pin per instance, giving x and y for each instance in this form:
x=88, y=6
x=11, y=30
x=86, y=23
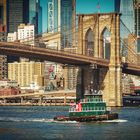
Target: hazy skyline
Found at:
x=82, y=6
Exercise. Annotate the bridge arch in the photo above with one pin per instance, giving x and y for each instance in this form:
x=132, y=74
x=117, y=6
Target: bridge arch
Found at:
x=89, y=42
x=105, y=48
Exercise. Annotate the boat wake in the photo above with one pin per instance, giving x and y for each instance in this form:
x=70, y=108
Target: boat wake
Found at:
x=13, y=119
x=115, y=121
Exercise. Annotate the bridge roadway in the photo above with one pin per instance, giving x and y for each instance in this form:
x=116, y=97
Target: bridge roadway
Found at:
x=49, y=54
x=61, y=56
x=50, y=94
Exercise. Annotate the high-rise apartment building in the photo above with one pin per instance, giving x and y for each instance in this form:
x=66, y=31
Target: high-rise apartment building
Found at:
x=3, y=33
x=3, y=29
x=3, y=67
x=3, y=58
x=26, y=73
x=3, y=63
x=70, y=73
x=26, y=34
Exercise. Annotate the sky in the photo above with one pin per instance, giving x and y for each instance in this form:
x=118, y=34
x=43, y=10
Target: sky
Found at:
x=94, y=6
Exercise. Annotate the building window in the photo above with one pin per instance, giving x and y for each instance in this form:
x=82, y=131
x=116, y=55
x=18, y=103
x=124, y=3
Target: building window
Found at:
x=138, y=45
x=106, y=44
x=89, y=44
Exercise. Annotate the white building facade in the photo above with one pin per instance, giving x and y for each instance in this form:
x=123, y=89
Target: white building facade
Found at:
x=26, y=34
x=11, y=37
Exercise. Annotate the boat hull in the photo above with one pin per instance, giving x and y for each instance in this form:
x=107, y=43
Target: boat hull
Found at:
x=111, y=116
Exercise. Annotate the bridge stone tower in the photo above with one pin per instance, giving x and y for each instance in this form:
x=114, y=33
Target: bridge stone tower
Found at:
x=91, y=32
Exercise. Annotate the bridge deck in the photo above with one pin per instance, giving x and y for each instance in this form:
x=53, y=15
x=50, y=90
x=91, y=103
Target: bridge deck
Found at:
x=50, y=55
x=61, y=56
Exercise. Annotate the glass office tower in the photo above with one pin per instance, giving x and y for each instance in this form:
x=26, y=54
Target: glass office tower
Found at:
x=127, y=17
x=1, y=14
x=17, y=12
x=117, y=5
x=60, y=19
x=66, y=22
x=35, y=15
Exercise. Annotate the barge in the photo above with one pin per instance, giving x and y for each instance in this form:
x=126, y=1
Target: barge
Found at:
x=90, y=108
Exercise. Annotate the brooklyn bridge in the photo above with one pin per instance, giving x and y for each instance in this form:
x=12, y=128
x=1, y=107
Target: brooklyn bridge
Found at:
x=101, y=61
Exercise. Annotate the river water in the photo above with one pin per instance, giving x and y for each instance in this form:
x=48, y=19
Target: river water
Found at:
x=36, y=123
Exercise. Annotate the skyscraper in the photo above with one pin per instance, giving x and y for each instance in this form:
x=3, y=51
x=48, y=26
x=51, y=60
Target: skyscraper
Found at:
x=66, y=22
x=127, y=11
x=3, y=20
x=17, y=13
x=39, y=10
x=137, y=22
x=26, y=34
x=3, y=33
x=137, y=17
x=60, y=15
x=3, y=12
x=35, y=15
x=117, y=5
x=26, y=72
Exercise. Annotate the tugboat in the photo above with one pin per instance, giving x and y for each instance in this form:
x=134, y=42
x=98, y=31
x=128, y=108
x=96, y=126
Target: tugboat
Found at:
x=91, y=108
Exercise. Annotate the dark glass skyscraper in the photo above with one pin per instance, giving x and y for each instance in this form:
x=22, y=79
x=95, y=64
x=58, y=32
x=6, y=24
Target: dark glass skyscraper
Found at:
x=35, y=15
x=39, y=10
x=117, y=5
x=66, y=22
x=17, y=12
x=24, y=11
x=1, y=14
